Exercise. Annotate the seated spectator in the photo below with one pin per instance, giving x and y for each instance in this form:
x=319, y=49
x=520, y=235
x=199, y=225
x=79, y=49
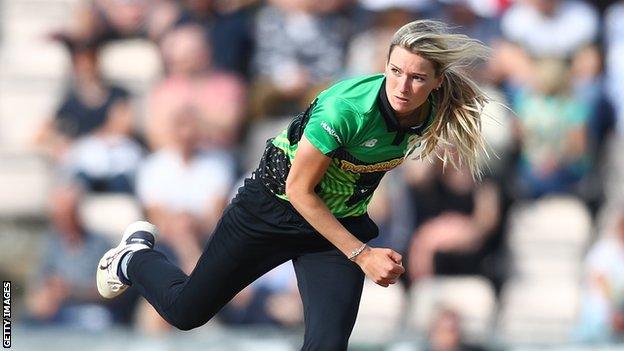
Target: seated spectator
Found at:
x=475, y=19
x=226, y=27
x=526, y=22
x=63, y=292
x=552, y=131
x=104, y=20
x=614, y=42
x=184, y=187
x=522, y=28
x=601, y=317
x=217, y=97
x=104, y=163
x=368, y=50
x=300, y=49
x=445, y=333
x=472, y=18
x=93, y=127
x=273, y=299
x=457, y=220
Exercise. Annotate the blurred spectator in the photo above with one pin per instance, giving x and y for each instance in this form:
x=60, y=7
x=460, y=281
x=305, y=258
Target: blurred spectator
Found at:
x=227, y=27
x=217, y=97
x=184, y=187
x=273, y=299
x=476, y=20
x=614, y=43
x=368, y=50
x=555, y=84
x=300, y=48
x=412, y=5
x=552, y=128
x=105, y=163
x=63, y=292
x=526, y=22
x=602, y=306
x=523, y=27
x=472, y=18
x=456, y=222
x=104, y=20
x=602, y=5
x=226, y=24
x=90, y=134
x=445, y=333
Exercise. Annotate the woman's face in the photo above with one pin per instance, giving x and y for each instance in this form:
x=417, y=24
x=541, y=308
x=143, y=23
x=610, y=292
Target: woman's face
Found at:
x=409, y=80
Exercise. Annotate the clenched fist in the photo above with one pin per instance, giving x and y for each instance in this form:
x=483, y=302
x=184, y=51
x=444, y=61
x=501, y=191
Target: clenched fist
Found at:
x=383, y=266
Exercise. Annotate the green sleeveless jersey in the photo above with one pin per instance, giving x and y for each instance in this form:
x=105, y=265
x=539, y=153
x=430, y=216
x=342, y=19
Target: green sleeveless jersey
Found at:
x=352, y=123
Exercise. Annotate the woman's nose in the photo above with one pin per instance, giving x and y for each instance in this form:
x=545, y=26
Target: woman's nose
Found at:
x=404, y=84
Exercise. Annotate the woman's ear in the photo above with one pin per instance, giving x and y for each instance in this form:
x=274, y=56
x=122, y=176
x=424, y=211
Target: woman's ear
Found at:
x=440, y=80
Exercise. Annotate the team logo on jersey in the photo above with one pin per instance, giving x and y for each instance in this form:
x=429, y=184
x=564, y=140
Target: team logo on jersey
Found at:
x=370, y=143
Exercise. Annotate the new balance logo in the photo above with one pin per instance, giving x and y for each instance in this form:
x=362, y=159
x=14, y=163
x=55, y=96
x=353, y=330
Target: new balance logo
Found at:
x=370, y=143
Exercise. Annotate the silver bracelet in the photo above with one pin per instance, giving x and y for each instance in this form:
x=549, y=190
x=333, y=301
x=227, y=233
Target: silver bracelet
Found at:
x=356, y=252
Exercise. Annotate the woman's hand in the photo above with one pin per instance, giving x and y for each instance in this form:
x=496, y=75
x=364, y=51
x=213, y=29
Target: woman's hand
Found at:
x=383, y=266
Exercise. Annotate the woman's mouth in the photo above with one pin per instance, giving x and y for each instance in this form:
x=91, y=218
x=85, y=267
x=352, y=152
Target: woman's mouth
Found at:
x=401, y=99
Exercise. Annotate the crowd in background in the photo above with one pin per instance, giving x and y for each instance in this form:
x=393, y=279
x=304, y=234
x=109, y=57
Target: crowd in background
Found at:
x=556, y=72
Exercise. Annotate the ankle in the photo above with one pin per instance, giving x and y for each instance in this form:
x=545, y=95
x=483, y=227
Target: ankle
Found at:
x=122, y=270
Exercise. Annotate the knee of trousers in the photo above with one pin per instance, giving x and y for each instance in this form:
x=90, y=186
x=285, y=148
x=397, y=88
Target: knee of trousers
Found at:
x=186, y=320
x=185, y=324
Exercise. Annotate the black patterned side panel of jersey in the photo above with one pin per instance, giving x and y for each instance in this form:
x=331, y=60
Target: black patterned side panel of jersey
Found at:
x=274, y=168
x=365, y=187
x=298, y=124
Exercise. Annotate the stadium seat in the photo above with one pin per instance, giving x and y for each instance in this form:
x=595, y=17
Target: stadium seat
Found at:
x=607, y=218
x=614, y=169
x=381, y=313
x=109, y=214
x=254, y=146
x=537, y=312
x=549, y=237
x=23, y=109
x=25, y=180
x=27, y=51
x=132, y=61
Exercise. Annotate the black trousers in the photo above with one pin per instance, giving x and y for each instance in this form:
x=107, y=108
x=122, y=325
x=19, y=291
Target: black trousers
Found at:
x=256, y=233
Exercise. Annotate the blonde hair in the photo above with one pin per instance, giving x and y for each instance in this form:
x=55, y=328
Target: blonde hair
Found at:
x=459, y=101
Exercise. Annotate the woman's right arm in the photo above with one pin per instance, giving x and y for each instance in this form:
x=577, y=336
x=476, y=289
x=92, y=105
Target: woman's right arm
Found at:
x=381, y=265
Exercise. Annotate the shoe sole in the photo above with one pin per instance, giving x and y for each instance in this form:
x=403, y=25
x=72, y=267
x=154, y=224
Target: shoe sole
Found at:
x=101, y=275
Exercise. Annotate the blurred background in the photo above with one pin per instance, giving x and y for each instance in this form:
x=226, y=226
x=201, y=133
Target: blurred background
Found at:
x=118, y=110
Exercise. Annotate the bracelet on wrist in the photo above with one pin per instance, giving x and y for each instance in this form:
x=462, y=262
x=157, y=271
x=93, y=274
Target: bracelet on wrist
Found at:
x=356, y=252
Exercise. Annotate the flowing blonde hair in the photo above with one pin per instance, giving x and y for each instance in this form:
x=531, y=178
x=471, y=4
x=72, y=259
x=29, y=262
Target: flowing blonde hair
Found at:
x=459, y=101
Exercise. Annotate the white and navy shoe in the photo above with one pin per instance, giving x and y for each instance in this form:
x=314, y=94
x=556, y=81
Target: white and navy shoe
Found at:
x=137, y=236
